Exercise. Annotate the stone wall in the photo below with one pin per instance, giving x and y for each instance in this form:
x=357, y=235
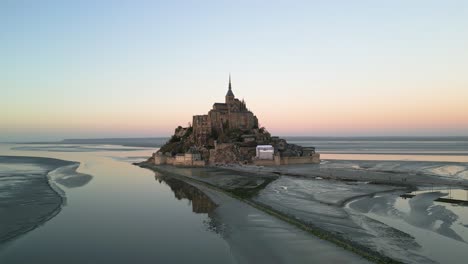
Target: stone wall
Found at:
x=314, y=158
x=230, y=153
x=218, y=120
x=201, y=128
x=187, y=160
x=277, y=161
x=198, y=163
x=225, y=153
x=159, y=159
x=231, y=115
x=242, y=120
x=170, y=160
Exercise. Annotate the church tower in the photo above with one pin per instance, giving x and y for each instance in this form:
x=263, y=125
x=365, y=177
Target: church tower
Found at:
x=230, y=94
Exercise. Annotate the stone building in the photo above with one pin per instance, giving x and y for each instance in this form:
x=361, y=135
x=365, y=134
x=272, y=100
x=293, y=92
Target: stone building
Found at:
x=229, y=133
x=230, y=115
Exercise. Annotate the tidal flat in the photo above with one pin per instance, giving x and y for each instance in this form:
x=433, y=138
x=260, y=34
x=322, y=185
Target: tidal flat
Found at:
x=328, y=201
x=28, y=198
x=115, y=212
x=255, y=236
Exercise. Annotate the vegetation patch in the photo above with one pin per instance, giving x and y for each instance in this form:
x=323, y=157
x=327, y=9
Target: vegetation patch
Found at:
x=247, y=193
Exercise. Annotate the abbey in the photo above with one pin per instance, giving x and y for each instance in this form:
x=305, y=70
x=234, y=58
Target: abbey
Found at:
x=230, y=115
x=229, y=133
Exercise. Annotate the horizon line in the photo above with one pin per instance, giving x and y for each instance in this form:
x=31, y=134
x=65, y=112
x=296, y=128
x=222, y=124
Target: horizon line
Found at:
x=285, y=136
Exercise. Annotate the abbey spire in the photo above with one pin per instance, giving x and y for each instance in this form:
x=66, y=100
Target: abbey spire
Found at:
x=230, y=93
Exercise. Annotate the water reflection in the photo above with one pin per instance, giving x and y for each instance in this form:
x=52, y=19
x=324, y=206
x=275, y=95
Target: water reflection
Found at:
x=451, y=195
x=425, y=214
x=201, y=203
x=420, y=211
x=119, y=216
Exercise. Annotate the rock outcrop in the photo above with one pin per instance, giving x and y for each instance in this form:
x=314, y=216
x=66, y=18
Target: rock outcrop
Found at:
x=229, y=133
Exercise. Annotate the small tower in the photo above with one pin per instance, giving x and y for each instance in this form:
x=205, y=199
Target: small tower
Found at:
x=230, y=94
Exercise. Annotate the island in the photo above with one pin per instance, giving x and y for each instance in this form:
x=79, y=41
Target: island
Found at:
x=229, y=134
x=374, y=208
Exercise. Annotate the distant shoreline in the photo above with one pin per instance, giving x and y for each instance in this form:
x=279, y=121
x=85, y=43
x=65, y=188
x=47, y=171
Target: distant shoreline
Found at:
x=145, y=140
x=128, y=142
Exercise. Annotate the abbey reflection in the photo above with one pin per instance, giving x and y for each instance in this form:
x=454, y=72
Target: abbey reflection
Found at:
x=201, y=204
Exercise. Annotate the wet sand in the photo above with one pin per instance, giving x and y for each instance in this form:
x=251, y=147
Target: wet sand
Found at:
x=369, y=171
x=318, y=197
x=29, y=197
x=230, y=181
x=271, y=214
x=255, y=236
x=320, y=204
x=438, y=229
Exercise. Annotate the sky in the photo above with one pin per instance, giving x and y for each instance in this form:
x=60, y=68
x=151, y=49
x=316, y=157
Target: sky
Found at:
x=90, y=69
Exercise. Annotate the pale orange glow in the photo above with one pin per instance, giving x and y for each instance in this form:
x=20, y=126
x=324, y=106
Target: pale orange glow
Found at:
x=321, y=111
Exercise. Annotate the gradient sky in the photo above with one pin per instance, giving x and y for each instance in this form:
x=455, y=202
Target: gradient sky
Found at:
x=74, y=69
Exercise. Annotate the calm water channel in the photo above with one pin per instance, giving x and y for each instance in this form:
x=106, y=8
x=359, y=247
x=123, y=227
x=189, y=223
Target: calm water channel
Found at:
x=125, y=213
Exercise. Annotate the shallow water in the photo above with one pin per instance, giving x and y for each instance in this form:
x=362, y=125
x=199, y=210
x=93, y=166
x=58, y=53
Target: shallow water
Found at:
x=456, y=170
x=386, y=145
x=119, y=213
x=122, y=215
x=396, y=157
x=372, y=221
x=440, y=229
x=319, y=203
x=126, y=214
x=449, y=149
x=27, y=198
